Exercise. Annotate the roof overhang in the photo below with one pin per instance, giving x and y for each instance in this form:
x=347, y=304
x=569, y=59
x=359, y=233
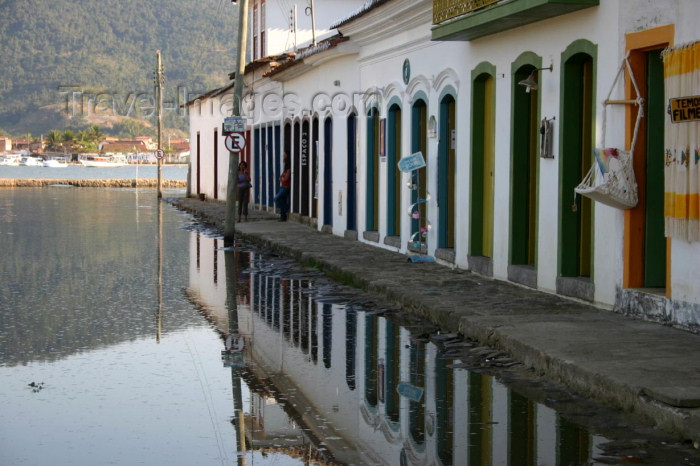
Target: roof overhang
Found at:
x=504, y=15
x=311, y=57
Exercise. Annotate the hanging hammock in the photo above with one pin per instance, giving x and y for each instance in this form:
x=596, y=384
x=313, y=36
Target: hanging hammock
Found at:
x=611, y=178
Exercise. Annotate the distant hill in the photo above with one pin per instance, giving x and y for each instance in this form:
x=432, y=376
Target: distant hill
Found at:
x=66, y=63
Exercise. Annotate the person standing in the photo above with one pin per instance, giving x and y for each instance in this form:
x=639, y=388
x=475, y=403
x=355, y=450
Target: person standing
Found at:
x=243, y=190
x=282, y=197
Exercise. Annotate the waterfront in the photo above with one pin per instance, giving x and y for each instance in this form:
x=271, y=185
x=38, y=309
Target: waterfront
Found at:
x=79, y=172
x=126, y=362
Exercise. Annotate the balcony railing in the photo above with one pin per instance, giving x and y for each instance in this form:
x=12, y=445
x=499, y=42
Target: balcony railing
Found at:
x=448, y=9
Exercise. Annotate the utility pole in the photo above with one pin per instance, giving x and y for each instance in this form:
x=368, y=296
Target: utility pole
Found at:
x=313, y=23
x=294, y=22
x=159, y=107
x=230, y=223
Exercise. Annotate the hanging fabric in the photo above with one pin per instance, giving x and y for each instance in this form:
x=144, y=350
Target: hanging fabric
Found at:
x=611, y=179
x=682, y=142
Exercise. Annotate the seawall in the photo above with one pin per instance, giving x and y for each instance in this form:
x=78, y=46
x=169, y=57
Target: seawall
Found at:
x=104, y=183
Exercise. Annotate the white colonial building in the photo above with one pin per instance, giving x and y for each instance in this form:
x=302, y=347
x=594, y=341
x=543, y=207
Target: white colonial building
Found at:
x=504, y=100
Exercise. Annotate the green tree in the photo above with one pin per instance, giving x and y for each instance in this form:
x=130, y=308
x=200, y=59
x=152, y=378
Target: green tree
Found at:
x=69, y=141
x=54, y=140
x=94, y=133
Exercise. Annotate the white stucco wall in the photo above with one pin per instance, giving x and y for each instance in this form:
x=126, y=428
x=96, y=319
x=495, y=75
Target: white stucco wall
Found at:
x=280, y=38
x=373, y=65
x=206, y=116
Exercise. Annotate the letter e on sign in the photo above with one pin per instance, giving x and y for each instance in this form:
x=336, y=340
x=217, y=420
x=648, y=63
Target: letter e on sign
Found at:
x=235, y=142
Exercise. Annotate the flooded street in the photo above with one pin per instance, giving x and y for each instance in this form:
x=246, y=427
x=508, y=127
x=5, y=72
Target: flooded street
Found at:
x=130, y=336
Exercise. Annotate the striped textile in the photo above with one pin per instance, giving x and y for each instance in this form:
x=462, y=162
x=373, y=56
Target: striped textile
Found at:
x=682, y=142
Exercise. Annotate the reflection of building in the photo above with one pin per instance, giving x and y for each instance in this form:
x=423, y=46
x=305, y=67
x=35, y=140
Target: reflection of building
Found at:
x=206, y=266
x=333, y=370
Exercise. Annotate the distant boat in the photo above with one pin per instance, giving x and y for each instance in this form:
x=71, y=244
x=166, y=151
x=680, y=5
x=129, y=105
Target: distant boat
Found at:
x=55, y=163
x=104, y=162
x=10, y=159
x=31, y=162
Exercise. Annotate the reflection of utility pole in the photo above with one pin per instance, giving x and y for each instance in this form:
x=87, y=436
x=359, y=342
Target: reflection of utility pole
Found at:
x=236, y=367
x=230, y=222
x=159, y=107
x=159, y=316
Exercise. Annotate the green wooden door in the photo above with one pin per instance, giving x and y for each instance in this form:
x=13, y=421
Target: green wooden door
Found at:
x=655, y=242
x=372, y=200
x=446, y=173
x=483, y=141
x=393, y=172
x=523, y=234
x=576, y=224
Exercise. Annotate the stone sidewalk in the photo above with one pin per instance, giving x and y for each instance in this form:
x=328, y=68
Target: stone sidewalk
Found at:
x=641, y=367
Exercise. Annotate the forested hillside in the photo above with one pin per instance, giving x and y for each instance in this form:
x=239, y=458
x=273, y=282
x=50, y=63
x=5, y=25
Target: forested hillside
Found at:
x=69, y=51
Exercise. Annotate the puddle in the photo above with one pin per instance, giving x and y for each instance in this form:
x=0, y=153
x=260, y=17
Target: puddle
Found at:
x=361, y=383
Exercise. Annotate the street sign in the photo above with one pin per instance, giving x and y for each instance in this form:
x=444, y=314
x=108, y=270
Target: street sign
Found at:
x=412, y=162
x=235, y=142
x=160, y=154
x=409, y=391
x=234, y=125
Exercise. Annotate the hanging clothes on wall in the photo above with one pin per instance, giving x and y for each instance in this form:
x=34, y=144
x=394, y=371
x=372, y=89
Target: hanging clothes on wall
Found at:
x=682, y=142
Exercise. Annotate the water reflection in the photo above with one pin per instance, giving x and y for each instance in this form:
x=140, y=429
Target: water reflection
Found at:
x=119, y=311
x=77, y=272
x=357, y=385
x=92, y=311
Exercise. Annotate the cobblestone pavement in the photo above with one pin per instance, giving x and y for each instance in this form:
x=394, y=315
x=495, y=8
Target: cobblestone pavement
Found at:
x=641, y=367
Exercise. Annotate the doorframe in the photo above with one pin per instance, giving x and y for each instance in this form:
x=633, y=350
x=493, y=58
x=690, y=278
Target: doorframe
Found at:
x=328, y=171
x=419, y=142
x=479, y=259
x=393, y=174
x=447, y=158
x=636, y=45
x=519, y=269
x=573, y=283
x=351, y=221
x=372, y=166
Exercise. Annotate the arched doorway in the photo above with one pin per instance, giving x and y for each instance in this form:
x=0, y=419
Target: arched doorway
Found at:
x=446, y=173
x=352, y=173
x=523, y=210
x=419, y=143
x=577, y=137
x=393, y=217
x=314, y=168
x=372, y=186
x=482, y=170
x=328, y=171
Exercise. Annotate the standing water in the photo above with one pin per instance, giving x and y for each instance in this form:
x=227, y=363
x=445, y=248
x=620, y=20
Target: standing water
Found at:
x=129, y=337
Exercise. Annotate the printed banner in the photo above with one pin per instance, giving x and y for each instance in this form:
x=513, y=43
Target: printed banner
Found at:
x=682, y=141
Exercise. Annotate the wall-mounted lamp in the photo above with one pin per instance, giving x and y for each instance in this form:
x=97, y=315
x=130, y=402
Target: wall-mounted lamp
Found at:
x=529, y=82
x=432, y=127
